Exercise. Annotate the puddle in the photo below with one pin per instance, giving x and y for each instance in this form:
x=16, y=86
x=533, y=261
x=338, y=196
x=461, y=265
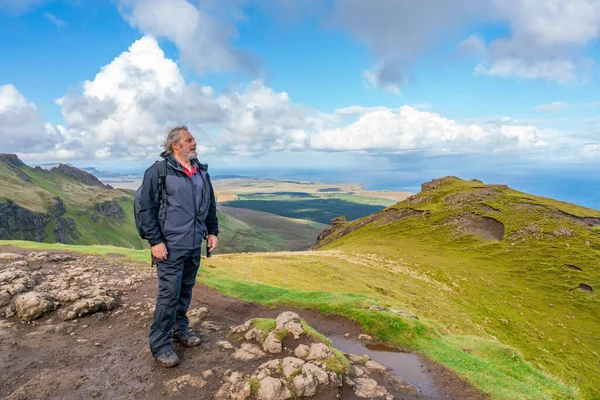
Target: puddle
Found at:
x=405, y=366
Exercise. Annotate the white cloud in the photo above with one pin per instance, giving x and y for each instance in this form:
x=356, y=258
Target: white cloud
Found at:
x=407, y=129
x=127, y=108
x=21, y=127
x=203, y=39
x=55, y=20
x=553, y=107
x=546, y=39
x=260, y=120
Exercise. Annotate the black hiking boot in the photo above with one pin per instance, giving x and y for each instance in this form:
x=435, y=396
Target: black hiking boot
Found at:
x=187, y=339
x=168, y=359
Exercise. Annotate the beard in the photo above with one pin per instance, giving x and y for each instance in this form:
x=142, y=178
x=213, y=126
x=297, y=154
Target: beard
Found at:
x=190, y=155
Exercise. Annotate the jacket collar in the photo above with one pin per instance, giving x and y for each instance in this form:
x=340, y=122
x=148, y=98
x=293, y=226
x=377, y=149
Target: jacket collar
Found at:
x=173, y=161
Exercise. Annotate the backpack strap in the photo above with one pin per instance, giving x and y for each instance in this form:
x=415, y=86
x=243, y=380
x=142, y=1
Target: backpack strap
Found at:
x=161, y=168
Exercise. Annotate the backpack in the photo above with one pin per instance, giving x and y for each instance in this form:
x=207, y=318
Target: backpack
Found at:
x=161, y=167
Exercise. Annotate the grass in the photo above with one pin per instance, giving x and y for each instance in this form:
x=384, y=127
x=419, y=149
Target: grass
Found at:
x=492, y=367
x=519, y=290
x=99, y=250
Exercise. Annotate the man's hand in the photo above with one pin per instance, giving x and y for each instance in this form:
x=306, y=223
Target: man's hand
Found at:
x=159, y=251
x=212, y=242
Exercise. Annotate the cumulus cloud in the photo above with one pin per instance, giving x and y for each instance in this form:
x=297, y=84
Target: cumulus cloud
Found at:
x=260, y=120
x=408, y=129
x=553, y=107
x=21, y=126
x=203, y=38
x=128, y=106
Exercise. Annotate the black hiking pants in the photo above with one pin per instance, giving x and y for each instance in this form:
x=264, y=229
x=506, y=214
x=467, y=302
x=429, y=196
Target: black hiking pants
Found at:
x=176, y=278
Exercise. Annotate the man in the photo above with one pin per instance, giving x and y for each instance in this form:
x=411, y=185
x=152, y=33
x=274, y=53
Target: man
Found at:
x=175, y=227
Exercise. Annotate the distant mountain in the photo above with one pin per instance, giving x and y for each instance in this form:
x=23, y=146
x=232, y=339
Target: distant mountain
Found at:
x=489, y=260
x=107, y=174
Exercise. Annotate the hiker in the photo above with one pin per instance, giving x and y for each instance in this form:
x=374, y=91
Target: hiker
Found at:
x=177, y=209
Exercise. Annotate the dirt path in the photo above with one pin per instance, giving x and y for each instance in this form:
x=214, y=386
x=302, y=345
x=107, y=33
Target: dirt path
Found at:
x=105, y=355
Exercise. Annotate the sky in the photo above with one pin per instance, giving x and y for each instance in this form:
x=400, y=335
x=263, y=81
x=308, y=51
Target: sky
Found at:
x=506, y=90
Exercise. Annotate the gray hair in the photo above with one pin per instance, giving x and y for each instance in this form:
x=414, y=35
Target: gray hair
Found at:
x=173, y=137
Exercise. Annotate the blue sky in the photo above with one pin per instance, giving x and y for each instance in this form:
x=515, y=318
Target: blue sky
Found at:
x=466, y=87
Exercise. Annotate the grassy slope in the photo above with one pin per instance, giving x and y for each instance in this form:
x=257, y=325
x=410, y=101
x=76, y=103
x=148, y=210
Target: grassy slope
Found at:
x=315, y=207
x=519, y=290
x=79, y=200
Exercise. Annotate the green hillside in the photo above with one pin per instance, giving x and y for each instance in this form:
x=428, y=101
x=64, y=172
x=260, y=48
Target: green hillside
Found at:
x=63, y=205
x=496, y=262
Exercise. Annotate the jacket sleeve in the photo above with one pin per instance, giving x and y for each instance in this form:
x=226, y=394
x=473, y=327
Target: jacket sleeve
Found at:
x=149, y=207
x=212, y=222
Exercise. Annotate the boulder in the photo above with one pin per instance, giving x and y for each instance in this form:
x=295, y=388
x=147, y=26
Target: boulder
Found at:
x=273, y=389
x=307, y=383
x=367, y=388
x=290, y=321
x=88, y=306
x=32, y=305
x=302, y=351
x=254, y=334
x=291, y=365
x=319, y=351
x=272, y=344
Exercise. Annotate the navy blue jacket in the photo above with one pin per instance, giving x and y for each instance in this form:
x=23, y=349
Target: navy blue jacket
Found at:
x=190, y=209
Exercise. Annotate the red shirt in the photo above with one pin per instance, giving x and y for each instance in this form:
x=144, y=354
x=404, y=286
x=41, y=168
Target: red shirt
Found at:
x=188, y=172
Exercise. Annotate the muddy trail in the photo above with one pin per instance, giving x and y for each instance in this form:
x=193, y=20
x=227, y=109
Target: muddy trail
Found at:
x=75, y=327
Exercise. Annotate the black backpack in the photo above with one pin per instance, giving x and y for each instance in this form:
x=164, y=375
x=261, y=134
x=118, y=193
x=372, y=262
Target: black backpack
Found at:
x=161, y=167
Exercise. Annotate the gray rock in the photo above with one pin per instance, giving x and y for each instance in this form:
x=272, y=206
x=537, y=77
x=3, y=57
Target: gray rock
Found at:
x=32, y=305
x=272, y=344
x=273, y=389
x=307, y=383
x=254, y=334
x=235, y=388
x=291, y=365
x=290, y=321
x=302, y=351
x=319, y=351
x=248, y=351
x=367, y=388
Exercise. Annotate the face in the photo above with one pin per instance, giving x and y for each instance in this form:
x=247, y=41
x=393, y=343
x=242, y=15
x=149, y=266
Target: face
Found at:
x=185, y=147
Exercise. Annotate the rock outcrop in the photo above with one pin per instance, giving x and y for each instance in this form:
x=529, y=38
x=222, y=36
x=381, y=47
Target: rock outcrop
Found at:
x=19, y=223
x=79, y=175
